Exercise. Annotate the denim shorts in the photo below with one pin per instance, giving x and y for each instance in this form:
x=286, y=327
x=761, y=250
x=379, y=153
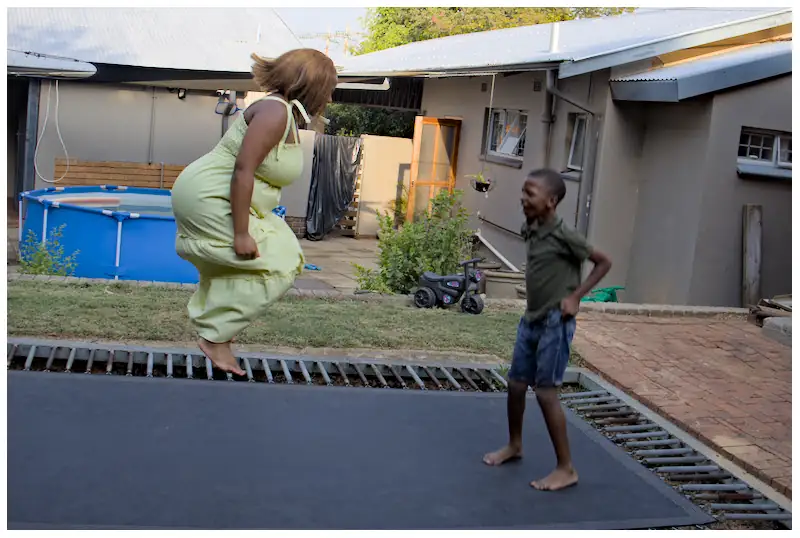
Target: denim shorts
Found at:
x=541, y=353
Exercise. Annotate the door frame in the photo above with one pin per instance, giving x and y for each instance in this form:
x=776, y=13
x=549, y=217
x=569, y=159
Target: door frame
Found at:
x=419, y=123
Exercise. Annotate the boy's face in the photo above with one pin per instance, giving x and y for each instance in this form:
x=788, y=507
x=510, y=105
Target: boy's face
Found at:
x=537, y=200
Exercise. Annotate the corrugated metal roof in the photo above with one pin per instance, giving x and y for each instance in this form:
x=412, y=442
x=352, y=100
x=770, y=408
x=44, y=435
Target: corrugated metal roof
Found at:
x=203, y=39
x=706, y=74
x=716, y=62
x=529, y=45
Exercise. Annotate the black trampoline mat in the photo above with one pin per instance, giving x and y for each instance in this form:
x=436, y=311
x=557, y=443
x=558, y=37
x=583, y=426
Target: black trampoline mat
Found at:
x=87, y=451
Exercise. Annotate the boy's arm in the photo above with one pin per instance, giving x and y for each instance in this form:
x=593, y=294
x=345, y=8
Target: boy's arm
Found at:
x=602, y=264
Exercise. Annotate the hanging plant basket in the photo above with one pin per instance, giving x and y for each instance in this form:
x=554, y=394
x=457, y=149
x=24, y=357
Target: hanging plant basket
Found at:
x=481, y=183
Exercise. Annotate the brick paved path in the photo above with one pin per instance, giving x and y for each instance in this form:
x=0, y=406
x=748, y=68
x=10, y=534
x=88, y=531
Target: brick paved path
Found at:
x=721, y=380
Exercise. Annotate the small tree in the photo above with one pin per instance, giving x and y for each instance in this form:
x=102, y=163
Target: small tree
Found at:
x=46, y=258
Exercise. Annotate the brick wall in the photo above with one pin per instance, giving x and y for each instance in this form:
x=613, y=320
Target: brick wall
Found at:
x=298, y=225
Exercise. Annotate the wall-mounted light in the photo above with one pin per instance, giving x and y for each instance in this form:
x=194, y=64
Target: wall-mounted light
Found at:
x=182, y=93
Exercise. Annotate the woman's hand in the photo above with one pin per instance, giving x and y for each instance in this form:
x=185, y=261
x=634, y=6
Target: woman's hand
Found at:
x=245, y=246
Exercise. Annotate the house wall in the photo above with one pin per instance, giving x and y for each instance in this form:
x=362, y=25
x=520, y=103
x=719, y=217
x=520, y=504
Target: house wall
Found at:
x=718, y=255
x=104, y=122
x=386, y=162
x=673, y=165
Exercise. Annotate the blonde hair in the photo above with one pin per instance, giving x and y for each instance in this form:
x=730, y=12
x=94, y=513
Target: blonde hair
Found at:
x=303, y=74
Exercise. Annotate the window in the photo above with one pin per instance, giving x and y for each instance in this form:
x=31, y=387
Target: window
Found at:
x=575, y=158
x=507, y=133
x=765, y=148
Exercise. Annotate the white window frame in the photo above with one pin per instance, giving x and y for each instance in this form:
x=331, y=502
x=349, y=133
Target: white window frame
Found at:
x=579, y=118
x=776, y=147
x=503, y=113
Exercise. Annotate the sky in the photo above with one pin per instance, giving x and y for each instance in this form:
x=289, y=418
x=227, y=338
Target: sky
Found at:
x=304, y=21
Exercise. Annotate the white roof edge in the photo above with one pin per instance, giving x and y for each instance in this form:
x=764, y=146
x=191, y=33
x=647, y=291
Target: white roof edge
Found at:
x=31, y=64
x=487, y=70
x=580, y=66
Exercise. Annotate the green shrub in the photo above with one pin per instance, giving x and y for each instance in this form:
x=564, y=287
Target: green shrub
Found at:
x=437, y=241
x=37, y=258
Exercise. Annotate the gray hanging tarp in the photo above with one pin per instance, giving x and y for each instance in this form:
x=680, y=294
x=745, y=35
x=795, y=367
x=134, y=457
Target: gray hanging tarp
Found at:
x=333, y=180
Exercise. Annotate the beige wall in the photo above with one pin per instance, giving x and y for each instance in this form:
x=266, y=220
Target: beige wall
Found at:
x=386, y=162
x=670, y=193
x=295, y=197
x=718, y=256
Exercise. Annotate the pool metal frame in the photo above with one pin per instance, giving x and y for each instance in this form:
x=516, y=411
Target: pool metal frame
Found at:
x=120, y=216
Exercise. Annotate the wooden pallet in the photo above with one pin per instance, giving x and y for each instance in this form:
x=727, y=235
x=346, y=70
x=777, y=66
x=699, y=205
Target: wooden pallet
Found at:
x=349, y=222
x=129, y=174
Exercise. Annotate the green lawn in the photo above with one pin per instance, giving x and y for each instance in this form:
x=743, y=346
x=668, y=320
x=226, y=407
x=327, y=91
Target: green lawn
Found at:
x=122, y=312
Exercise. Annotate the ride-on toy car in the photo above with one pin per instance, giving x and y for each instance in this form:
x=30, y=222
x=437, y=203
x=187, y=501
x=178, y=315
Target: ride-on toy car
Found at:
x=447, y=290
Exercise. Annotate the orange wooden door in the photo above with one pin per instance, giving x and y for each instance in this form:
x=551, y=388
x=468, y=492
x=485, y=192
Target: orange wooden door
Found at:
x=434, y=161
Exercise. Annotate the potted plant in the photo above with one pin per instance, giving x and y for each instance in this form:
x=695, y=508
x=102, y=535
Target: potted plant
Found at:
x=480, y=182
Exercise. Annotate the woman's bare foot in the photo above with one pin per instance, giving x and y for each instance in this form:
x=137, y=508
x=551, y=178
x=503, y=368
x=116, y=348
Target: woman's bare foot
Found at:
x=221, y=356
x=558, y=479
x=499, y=457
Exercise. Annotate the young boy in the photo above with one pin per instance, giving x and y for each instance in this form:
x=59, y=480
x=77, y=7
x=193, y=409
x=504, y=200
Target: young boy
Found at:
x=553, y=285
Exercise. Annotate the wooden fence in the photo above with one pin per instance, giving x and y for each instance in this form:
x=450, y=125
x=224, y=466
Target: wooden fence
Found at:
x=83, y=173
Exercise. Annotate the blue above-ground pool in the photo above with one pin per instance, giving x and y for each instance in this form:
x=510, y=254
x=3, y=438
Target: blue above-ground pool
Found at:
x=121, y=233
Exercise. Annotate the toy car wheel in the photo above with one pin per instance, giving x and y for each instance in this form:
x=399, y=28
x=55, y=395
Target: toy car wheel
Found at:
x=472, y=304
x=424, y=298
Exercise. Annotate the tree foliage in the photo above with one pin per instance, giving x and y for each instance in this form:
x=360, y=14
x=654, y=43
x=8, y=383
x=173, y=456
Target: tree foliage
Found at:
x=389, y=27
x=355, y=120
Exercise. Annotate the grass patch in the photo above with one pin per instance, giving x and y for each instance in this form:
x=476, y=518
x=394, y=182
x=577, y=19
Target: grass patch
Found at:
x=122, y=312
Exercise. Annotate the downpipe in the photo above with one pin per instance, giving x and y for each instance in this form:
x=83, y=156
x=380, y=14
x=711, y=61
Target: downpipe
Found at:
x=591, y=137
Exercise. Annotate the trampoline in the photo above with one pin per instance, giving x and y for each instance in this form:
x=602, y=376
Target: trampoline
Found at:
x=119, y=452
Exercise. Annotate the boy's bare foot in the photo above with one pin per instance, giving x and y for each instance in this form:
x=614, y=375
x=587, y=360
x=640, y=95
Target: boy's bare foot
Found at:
x=220, y=356
x=558, y=479
x=499, y=457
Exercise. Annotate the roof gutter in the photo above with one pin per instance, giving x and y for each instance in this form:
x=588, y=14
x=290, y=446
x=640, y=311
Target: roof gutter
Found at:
x=656, y=47
x=476, y=71
x=34, y=65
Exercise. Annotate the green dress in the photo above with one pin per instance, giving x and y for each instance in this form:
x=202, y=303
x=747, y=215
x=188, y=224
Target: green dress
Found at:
x=233, y=292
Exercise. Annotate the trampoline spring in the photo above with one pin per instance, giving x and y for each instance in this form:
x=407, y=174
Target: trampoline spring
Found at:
x=451, y=379
x=342, y=374
x=700, y=477
x=468, y=379
x=744, y=507
x=619, y=406
x=361, y=375
x=777, y=516
x=590, y=394
x=500, y=379
x=652, y=442
x=209, y=369
x=640, y=435
x=378, y=374
x=598, y=400
x=728, y=496
x=677, y=469
x=130, y=364
x=50, y=359
x=169, y=365
x=739, y=487
x=189, y=367
x=631, y=428
x=324, y=373
x=248, y=370
x=267, y=371
x=433, y=378
x=110, y=363
x=398, y=377
x=677, y=459
x=149, y=365
x=664, y=452
x=90, y=361
x=29, y=360
x=415, y=377
x=286, y=373
x=305, y=373
x=611, y=414
x=631, y=419
x=70, y=360
x=485, y=380
x=12, y=354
